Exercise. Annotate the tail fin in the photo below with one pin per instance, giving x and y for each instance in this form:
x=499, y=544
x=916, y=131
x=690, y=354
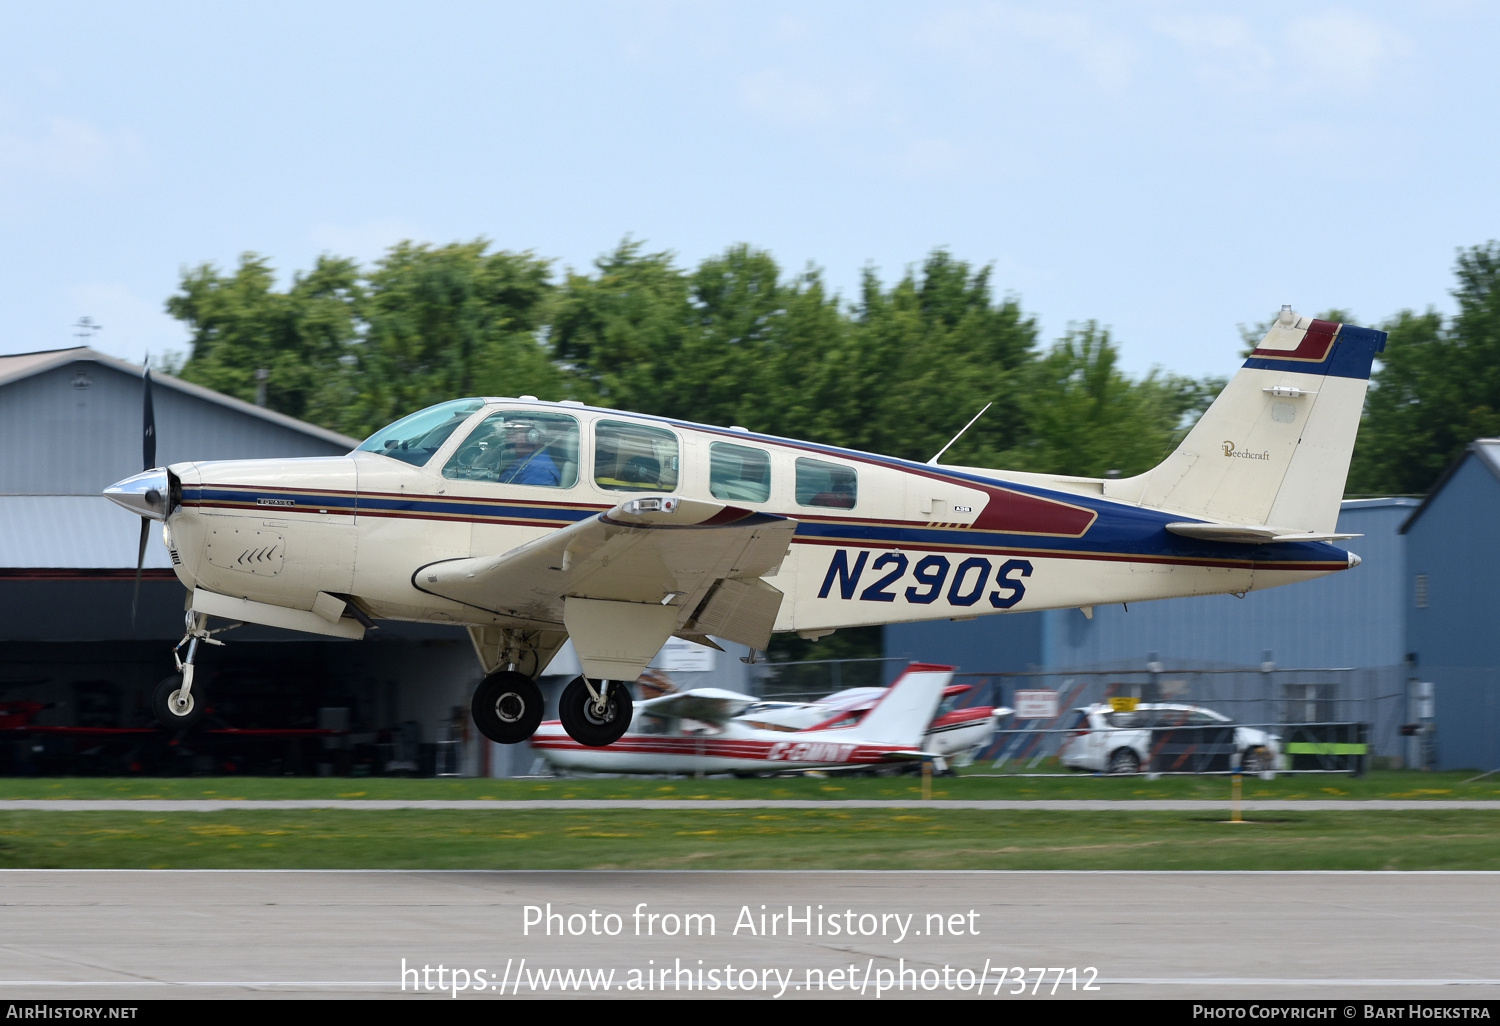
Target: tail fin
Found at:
x=1274, y=447
x=902, y=715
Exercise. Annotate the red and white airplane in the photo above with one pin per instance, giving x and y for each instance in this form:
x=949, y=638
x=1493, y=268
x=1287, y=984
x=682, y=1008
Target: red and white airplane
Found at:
x=711, y=730
x=955, y=733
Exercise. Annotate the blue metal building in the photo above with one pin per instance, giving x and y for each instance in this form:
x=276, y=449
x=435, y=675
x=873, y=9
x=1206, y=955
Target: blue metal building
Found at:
x=1452, y=606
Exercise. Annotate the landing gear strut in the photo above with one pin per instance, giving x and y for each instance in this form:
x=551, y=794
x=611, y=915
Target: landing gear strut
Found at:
x=173, y=702
x=595, y=713
x=507, y=707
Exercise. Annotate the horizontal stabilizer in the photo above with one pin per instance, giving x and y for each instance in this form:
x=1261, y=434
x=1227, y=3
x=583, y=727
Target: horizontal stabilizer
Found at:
x=1249, y=534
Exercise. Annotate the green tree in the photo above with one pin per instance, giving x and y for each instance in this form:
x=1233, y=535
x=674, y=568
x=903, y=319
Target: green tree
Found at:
x=450, y=321
x=1085, y=417
x=240, y=323
x=1437, y=387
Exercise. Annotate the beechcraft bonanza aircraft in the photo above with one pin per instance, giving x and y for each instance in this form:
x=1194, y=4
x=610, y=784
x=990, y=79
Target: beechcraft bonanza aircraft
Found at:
x=534, y=522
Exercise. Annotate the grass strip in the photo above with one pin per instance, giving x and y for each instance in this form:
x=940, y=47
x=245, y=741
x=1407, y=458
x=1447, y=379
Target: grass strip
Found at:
x=751, y=839
x=1397, y=784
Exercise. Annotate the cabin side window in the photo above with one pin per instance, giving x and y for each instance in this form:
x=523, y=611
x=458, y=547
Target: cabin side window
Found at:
x=519, y=447
x=739, y=473
x=826, y=484
x=634, y=457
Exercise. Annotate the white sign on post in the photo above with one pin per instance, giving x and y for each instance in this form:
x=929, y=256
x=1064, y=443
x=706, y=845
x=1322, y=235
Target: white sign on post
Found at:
x=1036, y=705
x=678, y=656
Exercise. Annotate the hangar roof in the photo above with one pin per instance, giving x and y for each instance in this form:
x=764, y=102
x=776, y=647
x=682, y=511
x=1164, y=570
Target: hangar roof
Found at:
x=24, y=365
x=1488, y=451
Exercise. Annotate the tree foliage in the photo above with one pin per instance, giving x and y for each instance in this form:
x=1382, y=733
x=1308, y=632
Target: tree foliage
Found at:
x=734, y=340
x=1437, y=387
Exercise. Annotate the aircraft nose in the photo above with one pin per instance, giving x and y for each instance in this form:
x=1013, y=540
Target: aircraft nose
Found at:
x=1354, y=560
x=144, y=494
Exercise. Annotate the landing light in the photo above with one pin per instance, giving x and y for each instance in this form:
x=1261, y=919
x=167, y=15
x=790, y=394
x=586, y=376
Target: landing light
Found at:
x=665, y=504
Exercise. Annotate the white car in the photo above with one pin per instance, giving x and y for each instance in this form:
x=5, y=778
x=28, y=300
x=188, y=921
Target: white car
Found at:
x=1105, y=741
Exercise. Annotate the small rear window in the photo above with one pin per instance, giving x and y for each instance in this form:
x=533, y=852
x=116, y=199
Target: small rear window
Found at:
x=826, y=484
x=738, y=472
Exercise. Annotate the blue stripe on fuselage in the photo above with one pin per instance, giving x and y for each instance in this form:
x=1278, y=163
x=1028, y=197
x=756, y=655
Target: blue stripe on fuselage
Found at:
x=1122, y=532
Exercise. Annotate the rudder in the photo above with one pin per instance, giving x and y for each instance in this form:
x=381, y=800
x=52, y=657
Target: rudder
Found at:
x=1274, y=448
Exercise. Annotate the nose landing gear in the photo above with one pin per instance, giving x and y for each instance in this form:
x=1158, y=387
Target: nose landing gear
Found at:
x=173, y=702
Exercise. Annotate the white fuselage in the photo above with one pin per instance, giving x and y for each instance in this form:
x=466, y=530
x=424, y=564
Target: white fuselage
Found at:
x=905, y=542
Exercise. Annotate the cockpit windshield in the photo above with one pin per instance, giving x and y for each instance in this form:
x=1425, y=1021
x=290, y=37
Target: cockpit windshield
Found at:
x=414, y=439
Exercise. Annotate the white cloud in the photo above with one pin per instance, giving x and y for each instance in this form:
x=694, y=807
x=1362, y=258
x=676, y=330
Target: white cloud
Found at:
x=1336, y=51
x=68, y=149
x=1224, y=50
x=998, y=34
x=1341, y=51
x=797, y=99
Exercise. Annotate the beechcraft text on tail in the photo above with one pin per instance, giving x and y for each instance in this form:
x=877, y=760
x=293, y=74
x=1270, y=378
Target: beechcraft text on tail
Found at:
x=534, y=522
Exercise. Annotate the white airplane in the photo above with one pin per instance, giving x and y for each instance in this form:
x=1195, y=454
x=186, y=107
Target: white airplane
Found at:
x=710, y=730
x=534, y=522
x=954, y=734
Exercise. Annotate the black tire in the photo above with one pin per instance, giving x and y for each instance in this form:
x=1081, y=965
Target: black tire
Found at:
x=507, y=707
x=1255, y=760
x=164, y=706
x=1124, y=760
x=586, y=726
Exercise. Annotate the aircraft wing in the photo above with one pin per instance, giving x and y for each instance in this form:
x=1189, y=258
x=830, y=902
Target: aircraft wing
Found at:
x=631, y=577
x=713, y=705
x=1248, y=534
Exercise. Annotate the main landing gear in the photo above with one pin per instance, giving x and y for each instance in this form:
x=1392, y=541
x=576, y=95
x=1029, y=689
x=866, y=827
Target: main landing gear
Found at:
x=507, y=707
x=174, y=703
x=595, y=714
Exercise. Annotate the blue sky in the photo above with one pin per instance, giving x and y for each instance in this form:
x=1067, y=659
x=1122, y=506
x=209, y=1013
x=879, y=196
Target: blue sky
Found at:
x=1168, y=169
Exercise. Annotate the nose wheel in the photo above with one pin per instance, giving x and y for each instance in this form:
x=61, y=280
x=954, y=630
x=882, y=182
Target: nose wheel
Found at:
x=174, y=704
x=507, y=707
x=595, y=713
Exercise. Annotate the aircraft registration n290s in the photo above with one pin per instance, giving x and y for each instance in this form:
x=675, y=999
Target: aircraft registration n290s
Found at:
x=534, y=522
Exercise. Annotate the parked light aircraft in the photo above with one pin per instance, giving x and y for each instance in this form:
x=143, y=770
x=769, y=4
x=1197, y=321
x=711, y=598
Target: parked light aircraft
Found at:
x=534, y=522
x=953, y=734
x=711, y=730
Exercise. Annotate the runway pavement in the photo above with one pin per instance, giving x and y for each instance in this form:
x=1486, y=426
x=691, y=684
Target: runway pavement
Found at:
x=1066, y=805
x=132, y=935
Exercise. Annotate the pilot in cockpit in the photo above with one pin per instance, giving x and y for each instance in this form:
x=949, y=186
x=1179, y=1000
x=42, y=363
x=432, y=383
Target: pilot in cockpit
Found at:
x=523, y=456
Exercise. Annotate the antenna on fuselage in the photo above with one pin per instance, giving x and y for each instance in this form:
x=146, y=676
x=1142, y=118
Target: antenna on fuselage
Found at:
x=933, y=461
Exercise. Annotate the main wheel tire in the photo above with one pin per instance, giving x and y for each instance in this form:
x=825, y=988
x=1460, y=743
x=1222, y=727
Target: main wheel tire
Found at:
x=507, y=707
x=587, y=725
x=169, y=707
x=1255, y=760
x=1124, y=760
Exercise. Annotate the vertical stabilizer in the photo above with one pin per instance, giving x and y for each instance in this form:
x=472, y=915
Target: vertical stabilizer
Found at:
x=1274, y=447
x=902, y=715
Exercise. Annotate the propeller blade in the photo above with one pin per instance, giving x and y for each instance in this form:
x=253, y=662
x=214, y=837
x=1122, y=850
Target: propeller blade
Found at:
x=148, y=426
x=140, y=561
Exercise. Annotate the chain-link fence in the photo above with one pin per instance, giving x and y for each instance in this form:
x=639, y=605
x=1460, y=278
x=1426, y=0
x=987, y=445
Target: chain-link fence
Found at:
x=1321, y=719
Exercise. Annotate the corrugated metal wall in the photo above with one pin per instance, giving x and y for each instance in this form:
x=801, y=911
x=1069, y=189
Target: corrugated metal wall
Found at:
x=1454, y=549
x=76, y=429
x=1352, y=618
